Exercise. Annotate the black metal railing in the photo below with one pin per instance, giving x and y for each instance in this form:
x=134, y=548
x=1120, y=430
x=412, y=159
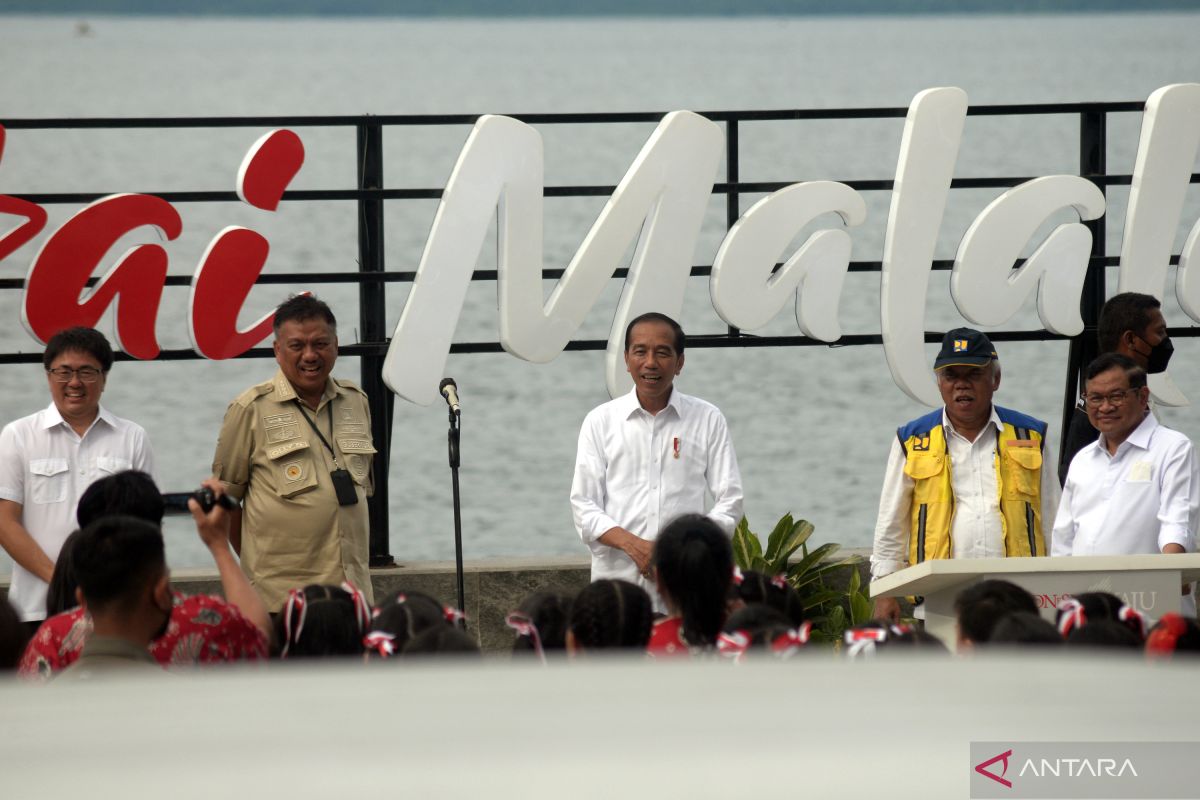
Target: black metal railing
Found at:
x=370, y=195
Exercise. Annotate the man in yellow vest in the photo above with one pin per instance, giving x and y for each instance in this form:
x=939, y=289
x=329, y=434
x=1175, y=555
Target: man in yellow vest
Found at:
x=968, y=480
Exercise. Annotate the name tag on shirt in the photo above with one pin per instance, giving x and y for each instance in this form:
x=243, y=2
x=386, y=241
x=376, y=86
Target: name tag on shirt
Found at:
x=1140, y=471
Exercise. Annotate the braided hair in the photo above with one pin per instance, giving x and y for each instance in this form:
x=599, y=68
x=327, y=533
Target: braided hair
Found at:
x=611, y=614
x=399, y=619
x=322, y=621
x=547, y=613
x=1091, y=608
x=756, y=588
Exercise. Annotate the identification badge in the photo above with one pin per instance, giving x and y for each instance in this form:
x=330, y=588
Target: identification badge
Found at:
x=343, y=486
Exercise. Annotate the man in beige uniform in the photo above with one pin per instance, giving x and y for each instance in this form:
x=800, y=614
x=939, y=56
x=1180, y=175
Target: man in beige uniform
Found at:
x=297, y=451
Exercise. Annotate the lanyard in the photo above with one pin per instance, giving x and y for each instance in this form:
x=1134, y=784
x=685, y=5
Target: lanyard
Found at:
x=317, y=430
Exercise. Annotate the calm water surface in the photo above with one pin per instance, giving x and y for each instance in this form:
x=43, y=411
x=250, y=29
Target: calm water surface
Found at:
x=811, y=425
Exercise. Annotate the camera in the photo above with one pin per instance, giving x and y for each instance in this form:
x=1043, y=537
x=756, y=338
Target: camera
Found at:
x=177, y=502
x=208, y=500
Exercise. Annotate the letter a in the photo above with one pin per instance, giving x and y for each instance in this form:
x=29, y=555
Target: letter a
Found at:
x=58, y=276
x=986, y=289
x=746, y=291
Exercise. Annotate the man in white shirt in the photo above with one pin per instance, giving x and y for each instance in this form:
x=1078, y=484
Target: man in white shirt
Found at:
x=968, y=480
x=648, y=456
x=1136, y=489
x=49, y=458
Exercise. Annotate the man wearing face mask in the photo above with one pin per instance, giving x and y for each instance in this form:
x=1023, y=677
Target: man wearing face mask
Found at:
x=125, y=587
x=1132, y=325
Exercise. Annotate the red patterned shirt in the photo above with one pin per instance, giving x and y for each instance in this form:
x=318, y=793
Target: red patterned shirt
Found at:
x=203, y=630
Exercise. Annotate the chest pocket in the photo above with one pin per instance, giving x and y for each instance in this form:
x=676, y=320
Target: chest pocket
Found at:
x=359, y=453
x=1022, y=471
x=921, y=467
x=48, y=479
x=110, y=465
x=293, y=469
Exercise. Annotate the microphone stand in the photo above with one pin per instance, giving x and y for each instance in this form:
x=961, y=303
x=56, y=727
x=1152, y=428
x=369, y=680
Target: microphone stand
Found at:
x=452, y=442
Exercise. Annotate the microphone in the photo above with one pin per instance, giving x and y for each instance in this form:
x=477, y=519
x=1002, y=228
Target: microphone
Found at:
x=449, y=390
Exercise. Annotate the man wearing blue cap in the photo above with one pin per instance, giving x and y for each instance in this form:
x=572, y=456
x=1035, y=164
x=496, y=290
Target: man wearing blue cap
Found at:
x=968, y=480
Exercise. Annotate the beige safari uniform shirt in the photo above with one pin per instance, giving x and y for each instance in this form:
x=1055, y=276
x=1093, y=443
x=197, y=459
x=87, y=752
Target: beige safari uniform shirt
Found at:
x=294, y=533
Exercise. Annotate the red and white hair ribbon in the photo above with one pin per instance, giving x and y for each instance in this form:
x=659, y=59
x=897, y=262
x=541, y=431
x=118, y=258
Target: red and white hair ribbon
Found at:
x=733, y=645
x=738, y=577
x=1164, y=639
x=788, y=644
x=862, y=641
x=524, y=626
x=295, y=605
x=1070, y=616
x=780, y=581
x=453, y=615
x=381, y=642
x=1133, y=618
x=362, y=609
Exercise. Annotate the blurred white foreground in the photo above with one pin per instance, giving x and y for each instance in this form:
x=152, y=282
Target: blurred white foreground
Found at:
x=893, y=727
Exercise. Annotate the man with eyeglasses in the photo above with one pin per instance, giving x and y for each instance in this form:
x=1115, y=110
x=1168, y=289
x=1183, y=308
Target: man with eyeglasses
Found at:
x=1136, y=489
x=49, y=458
x=968, y=480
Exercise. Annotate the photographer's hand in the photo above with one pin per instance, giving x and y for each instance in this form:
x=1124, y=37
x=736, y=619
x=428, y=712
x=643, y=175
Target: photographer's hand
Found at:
x=213, y=528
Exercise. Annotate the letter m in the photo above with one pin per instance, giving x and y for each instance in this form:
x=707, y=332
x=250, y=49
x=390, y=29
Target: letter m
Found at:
x=660, y=202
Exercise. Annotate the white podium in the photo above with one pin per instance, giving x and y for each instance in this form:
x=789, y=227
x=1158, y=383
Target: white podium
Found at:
x=1149, y=583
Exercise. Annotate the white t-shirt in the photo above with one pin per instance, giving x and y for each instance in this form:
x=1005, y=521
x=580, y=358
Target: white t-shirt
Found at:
x=45, y=466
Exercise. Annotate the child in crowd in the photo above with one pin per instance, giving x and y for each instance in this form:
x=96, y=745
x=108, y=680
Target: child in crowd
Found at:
x=1022, y=628
x=609, y=615
x=399, y=619
x=751, y=587
x=323, y=621
x=12, y=637
x=979, y=607
x=759, y=627
x=864, y=641
x=442, y=640
x=541, y=624
x=693, y=564
x=1174, y=633
x=202, y=628
x=1091, y=608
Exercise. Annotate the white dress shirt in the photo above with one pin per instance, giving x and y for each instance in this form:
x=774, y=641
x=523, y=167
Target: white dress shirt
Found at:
x=45, y=466
x=638, y=471
x=976, y=529
x=1137, y=501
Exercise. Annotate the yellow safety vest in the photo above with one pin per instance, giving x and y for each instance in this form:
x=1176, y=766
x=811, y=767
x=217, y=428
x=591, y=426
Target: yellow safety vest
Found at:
x=1018, y=460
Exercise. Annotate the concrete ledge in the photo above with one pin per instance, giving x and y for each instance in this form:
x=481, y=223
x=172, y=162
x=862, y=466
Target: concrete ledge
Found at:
x=492, y=587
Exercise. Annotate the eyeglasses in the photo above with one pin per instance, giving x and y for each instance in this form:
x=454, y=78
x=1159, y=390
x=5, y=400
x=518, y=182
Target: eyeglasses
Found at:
x=1114, y=399
x=66, y=374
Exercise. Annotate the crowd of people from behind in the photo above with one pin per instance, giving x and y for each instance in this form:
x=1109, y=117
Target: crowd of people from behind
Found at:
x=115, y=612
x=81, y=517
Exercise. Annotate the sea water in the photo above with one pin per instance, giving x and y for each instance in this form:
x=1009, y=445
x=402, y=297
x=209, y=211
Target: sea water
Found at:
x=812, y=425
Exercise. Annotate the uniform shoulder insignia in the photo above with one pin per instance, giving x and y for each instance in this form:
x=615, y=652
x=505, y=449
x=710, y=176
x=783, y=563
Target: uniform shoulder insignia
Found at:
x=254, y=392
x=349, y=386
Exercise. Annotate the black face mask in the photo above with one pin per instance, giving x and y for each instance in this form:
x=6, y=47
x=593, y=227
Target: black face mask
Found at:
x=162, y=631
x=1159, y=355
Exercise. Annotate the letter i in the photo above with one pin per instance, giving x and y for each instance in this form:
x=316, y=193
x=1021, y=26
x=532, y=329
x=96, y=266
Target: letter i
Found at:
x=236, y=256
